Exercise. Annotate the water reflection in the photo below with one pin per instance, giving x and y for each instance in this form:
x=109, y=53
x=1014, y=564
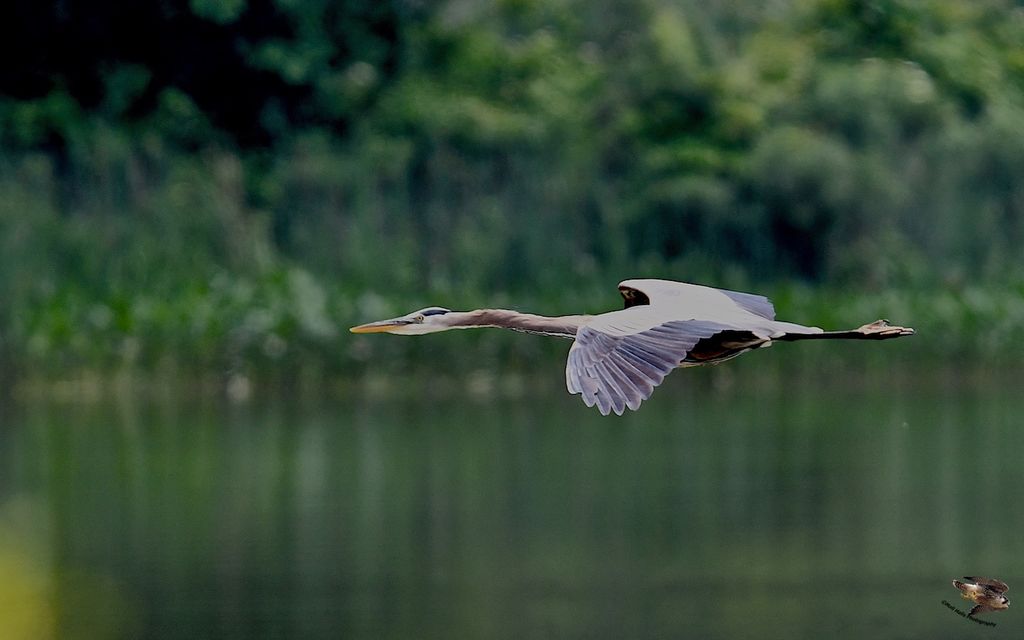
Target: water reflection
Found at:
x=800, y=511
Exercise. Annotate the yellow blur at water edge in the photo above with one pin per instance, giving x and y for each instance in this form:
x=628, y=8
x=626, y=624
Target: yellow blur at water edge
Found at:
x=26, y=588
x=39, y=601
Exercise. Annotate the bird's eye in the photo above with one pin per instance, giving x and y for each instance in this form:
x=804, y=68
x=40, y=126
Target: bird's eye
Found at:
x=419, y=318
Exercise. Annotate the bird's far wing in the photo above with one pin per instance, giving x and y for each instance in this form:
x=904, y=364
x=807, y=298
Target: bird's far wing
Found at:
x=617, y=361
x=655, y=292
x=997, y=586
x=758, y=305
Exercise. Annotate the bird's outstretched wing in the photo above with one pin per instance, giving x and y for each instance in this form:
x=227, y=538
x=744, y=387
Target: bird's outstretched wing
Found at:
x=979, y=608
x=998, y=586
x=619, y=358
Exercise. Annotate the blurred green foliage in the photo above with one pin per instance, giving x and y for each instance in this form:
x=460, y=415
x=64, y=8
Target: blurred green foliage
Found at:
x=224, y=186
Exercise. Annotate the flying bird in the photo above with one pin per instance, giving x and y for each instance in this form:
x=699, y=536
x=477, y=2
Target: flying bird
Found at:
x=985, y=593
x=618, y=358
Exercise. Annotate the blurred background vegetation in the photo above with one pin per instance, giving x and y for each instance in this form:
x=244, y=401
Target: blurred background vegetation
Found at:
x=220, y=188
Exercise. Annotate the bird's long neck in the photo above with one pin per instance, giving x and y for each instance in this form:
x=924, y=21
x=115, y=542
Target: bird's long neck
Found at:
x=559, y=326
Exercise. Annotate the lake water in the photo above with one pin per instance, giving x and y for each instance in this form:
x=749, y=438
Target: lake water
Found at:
x=802, y=509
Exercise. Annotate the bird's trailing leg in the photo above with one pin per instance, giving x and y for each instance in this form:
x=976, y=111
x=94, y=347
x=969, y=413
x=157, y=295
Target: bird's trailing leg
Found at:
x=881, y=330
x=726, y=345
x=877, y=330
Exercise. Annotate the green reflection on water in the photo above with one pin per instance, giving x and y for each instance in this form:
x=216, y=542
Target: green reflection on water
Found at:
x=800, y=510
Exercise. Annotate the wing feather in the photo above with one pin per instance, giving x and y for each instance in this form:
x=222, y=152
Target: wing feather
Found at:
x=617, y=360
x=613, y=396
x=650, y=364
x=758, y=305
x=635, y=376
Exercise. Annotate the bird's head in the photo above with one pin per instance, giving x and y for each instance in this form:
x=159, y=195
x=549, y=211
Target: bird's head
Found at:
x=429, y=320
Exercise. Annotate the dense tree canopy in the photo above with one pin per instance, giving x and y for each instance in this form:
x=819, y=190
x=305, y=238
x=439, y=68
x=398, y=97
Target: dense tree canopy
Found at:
x=216, y=177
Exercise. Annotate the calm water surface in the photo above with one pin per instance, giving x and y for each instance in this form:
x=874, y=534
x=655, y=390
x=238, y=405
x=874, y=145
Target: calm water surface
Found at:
x=799, y=510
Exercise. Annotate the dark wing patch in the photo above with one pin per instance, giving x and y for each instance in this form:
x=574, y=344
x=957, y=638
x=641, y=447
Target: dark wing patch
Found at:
x=633, y=297
x=722, y=346
x=758, y=305
x=616, y=372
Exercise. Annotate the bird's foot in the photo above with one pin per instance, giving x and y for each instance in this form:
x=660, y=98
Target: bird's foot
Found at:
x=881, y=329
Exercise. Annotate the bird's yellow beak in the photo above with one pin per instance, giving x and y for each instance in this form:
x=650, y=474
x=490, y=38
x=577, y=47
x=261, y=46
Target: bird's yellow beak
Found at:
x=383, y=326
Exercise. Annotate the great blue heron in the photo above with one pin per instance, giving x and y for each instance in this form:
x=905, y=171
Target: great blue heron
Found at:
x=619, y=357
